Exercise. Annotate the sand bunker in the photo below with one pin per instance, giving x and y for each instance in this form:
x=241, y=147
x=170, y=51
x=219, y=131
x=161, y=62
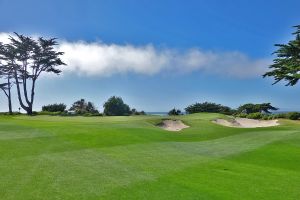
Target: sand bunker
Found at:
x=246, y=123
x=172, y=125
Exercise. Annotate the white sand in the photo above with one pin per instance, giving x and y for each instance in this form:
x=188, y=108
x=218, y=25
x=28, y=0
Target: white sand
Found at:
x=172, y=125
x=246, y=123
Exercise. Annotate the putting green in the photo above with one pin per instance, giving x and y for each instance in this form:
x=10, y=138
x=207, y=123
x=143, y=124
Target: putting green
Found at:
x=47, y=157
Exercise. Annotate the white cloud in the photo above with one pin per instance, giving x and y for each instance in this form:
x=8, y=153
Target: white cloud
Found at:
x=100, y=59
x=4, y=37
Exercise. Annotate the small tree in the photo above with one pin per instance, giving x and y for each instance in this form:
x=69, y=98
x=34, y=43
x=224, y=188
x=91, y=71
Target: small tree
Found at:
x=115, y=106
x=256, y=108
x=174, y=111
x=287, y=64
x=82, y=107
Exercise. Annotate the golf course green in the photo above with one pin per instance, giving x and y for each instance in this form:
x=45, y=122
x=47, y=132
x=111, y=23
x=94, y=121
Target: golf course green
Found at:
x=89, y=158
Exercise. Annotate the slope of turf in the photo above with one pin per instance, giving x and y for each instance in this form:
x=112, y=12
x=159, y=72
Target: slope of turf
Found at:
x=46, y=157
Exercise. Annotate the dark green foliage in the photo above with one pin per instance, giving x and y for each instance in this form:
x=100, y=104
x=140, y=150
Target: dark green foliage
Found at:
x=287, y=64
x=264, y=116
x=55, y=107
x=256, y=108
x=135, y=112
x=90, y=108
x=242, y=115
x=115, y=106
x=256, y=115
x=142, y=113
x=208, y=107
x=81, y=107
x=174, y=111
x=266, y=107
x=293, y=115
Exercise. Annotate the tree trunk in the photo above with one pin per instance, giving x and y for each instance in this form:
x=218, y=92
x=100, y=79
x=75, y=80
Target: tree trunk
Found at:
x=25, y=90
x=19, y=94
x=29, y=110
x=9, y=97
x=30, y=104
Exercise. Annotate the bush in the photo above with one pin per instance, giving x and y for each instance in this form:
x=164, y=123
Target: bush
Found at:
x=241, y=115
x=255, y=116
x=290, y=115
x=54, y=107
x=174, y=111
x=135, y=112
x=279, y=115
x=293, y=115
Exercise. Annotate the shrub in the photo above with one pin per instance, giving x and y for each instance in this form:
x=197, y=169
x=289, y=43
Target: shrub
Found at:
x=279, y=115
x=174, y=111
x=241, y=115
x=293, y=115
x=254, y=116
x=54, y=107
x=142, y=113
x=135, y=112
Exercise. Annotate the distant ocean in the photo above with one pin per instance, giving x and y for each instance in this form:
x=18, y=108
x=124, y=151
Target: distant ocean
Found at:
x=161, y=113
x=157, y=113
x=283, y=111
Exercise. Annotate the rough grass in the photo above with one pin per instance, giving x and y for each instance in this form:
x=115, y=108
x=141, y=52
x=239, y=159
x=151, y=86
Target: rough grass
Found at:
x=50, y=157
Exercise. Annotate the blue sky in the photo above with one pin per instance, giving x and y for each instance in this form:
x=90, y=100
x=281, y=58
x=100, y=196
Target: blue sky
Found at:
x=159, y=54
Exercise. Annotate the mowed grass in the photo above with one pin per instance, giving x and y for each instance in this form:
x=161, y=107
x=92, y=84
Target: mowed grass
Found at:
x=47, y=157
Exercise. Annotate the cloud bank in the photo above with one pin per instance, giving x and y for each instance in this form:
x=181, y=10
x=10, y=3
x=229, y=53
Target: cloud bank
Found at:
x=100, y=59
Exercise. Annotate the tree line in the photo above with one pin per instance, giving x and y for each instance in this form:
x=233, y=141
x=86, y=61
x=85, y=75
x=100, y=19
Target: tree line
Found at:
x=114, y=106
x=249, y=110
x=209, y=107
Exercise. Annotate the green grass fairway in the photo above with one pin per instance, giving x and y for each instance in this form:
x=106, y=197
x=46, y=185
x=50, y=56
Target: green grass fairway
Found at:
x=92, y=158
